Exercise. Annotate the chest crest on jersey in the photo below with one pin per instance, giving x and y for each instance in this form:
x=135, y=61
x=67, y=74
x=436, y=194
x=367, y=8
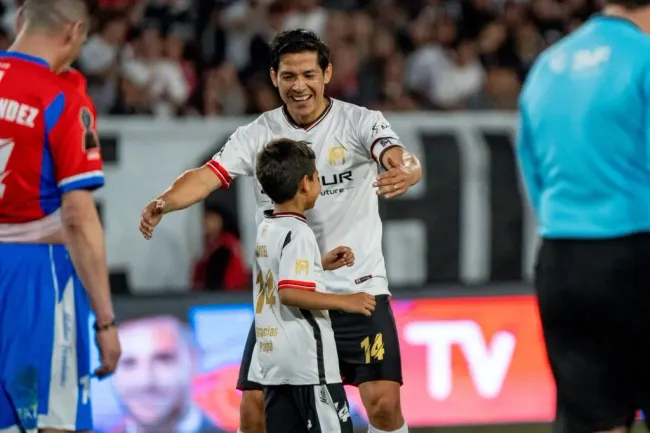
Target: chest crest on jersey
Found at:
x=336, y=155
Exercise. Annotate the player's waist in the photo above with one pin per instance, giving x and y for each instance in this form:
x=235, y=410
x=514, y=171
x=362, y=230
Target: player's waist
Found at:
x=374, y=283
x=46, y=230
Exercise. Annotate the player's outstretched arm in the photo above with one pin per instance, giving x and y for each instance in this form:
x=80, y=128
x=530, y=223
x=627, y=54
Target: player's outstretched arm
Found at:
x=189, y=188
x=362, y=303
x=403, y=170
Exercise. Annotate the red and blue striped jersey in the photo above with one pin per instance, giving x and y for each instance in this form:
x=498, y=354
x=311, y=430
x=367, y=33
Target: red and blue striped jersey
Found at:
x=48, y=139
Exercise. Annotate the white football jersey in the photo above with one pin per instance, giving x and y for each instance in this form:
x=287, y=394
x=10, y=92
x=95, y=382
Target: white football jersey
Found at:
x=294, y=346
x=348, y=141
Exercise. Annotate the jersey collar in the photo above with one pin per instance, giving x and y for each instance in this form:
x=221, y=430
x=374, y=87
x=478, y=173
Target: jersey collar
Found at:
x=25, y=57
x=313, y=124
x=270, y=214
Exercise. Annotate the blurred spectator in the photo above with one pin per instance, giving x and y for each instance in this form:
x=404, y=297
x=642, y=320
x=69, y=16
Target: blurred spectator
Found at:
x=212, y=57
x=345, y=77
x=100, y=60
x=154, y=378
x=168, y=85
x=307, y=14
x=222, y=264
x=134, y=91
x=223, y=94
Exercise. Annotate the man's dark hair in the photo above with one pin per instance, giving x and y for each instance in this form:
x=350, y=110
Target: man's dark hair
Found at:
x=282, y=165
x=299, y=41
x=629, y=4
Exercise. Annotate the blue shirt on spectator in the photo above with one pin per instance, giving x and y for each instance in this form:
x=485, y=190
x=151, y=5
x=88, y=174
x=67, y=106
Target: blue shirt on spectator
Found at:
x=584, y=139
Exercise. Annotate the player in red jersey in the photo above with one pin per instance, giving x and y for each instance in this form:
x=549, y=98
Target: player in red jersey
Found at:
x=52, y=254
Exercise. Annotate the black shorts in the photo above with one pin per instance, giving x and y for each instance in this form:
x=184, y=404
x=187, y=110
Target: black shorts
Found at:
x=594, y=304
x=307, y=409
x=368, y=347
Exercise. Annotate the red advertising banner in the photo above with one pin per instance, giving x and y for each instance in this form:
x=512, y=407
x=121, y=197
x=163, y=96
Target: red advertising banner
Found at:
x=465, y=361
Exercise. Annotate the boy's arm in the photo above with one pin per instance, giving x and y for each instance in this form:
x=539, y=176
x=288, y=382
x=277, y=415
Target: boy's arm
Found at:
x=297, y=285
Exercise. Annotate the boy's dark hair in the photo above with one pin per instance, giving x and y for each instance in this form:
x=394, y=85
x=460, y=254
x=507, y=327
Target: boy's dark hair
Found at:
x=299, y=41
x=282, y=165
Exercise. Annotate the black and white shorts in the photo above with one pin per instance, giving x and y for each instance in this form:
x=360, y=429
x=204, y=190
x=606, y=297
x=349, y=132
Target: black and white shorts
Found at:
x=307, y=409
x=368, y=347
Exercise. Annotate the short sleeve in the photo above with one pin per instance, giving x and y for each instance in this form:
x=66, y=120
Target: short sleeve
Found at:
x=297, y=261
x=376, y=135
x=72, y=137
x=235, y=158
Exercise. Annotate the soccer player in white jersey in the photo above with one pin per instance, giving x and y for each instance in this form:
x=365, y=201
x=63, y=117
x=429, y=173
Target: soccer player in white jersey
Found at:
x=299, y=370
x=352, y=144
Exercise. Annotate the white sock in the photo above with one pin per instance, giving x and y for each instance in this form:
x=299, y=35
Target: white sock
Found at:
x=239, y=431
x=402, y=429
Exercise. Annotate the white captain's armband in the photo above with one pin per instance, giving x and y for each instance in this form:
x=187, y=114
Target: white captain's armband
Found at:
x=380, y=145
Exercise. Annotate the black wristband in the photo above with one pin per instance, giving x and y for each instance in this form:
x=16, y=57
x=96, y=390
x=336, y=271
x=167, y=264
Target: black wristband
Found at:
x=105, y=327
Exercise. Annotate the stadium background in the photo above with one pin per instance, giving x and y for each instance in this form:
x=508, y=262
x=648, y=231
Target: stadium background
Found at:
x=173, y=78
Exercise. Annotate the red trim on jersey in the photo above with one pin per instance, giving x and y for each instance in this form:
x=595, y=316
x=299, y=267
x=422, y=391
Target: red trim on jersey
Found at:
x=296, y=284
x=221, y=172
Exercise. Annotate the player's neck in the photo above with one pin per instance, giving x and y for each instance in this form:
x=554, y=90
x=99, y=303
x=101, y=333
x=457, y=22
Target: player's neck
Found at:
x=639, y=17
x=37, y=45
x=305, y=121
x=289, y=207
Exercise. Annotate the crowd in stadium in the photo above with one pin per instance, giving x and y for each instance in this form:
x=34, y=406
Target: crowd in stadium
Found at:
x=210, y=57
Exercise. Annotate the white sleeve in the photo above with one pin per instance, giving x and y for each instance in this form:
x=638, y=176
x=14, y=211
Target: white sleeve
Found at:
x=297, y=262
x=235, y=158
x=376, y=134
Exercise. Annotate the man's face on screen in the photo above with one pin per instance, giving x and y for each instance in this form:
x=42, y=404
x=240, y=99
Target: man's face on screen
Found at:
x=154, y=375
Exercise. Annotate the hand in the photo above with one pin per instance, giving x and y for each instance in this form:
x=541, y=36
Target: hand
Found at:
x=362, y=303
x=337, y=258
x=151, y=216
x=395, y=181
x=109, y=351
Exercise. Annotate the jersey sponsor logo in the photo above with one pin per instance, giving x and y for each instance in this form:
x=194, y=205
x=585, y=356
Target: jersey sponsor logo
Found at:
x=336, y=155
x=90, y=139
x=15, y=112
x=343, y=413
x=336, y=183
x=587, y=59
x=302, y=267
x=260, y=251
x=380, y=126
x=362, y=279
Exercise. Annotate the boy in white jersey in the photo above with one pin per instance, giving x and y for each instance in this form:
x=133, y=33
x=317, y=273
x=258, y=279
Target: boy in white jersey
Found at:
x=350, y=142
x=299, y=368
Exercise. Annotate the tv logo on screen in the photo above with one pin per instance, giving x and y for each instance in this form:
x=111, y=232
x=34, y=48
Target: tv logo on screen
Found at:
x=487, y=361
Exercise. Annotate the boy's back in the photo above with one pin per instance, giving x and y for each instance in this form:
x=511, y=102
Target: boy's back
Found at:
x=296, y=346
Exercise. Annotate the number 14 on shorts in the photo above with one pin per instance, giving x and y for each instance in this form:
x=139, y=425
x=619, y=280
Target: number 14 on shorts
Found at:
x=376, y=350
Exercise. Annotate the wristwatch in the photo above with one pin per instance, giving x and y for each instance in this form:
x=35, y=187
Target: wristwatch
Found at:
x=105, y=327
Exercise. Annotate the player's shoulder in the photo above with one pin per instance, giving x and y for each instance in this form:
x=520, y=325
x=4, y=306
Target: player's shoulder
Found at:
x=360, y=118
x=257, y=130
x=76, y=78
x=352, y=111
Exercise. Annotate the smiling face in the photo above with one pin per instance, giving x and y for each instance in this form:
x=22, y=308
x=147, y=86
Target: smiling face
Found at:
x=301, y=83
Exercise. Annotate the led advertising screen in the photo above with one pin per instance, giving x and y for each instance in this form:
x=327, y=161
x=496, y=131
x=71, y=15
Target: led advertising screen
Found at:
x=465, y=361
